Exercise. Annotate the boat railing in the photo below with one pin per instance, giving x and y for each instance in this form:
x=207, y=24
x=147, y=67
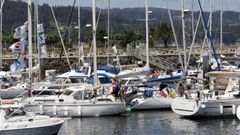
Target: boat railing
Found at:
x=206, y=95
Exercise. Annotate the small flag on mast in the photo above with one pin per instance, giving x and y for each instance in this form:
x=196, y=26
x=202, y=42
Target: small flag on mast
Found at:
x=20, y=32
x=18, y=65
x=18, y=47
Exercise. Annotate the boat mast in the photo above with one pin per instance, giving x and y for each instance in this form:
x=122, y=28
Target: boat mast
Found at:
x=192, y=19
x=221, y=27
x=209, y=36
x=1, y=14
x=79, y=34
x=183, y=34
x=147, y=33
x=94, y=42
x=108, y=33
x=41, y=71
x=174, y=34
x=30, y=44
x=210, y=25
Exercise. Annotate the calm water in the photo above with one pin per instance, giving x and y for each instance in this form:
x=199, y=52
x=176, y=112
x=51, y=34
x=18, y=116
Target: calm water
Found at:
x=150, y=123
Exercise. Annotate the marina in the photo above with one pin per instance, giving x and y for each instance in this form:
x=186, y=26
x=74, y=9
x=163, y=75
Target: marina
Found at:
x=107, y=69
x=163, y=122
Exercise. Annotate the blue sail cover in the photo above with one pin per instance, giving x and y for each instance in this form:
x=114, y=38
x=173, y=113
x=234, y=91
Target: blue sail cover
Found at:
x=103, y=78
x=109, y=69
x=167, y=78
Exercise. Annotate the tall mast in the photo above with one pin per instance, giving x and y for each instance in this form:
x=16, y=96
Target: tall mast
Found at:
x=108, y=33
x=30, y=42
x=183, y=34
x=221, y=27
x=209, y=35
x=94, y=42
x=192, y=19
x=1, y=14
x=40, y=72
x=35, y=28
x=210, y=25
x=147, y=33
x=79, y=33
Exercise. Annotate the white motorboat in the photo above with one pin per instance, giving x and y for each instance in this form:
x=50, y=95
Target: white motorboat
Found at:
x=220, y=100
x=15, y=121
x=76, y=102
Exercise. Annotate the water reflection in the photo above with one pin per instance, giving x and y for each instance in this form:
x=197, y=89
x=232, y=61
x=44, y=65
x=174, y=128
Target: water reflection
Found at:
x=149, y=122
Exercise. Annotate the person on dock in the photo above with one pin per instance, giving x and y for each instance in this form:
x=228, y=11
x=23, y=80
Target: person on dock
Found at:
x=181, y=89
x=116, y=86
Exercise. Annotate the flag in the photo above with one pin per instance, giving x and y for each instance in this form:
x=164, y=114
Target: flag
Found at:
x=18, y=65
x=172, y=92
x=18, y=47
x=114, y=49
x=43, y=51
x=41, y=39
x=20, y=32
x=40, y=28
x=165, y=92
x=81, y=54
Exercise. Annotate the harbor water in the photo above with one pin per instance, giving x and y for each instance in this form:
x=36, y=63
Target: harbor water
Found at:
x=150, y=123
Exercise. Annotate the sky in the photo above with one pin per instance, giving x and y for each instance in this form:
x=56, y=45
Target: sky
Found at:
x=233, y=5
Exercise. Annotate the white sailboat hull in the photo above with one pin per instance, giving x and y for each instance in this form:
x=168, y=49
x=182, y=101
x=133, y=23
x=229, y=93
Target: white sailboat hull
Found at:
x=238, y=112
x=206, y=108
x=77, y=109
x=152, y=103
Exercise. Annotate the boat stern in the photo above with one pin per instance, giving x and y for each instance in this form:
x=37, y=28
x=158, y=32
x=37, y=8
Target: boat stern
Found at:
x=185, y=107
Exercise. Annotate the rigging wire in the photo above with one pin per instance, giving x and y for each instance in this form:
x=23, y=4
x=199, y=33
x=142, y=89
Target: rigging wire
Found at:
x=59, y=33
x=174, y=34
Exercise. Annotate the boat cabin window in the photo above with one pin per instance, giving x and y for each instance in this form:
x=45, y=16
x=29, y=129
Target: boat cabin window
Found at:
x=14, y=111
x=74, y=80
x=105, y=99
x=59, y=81
x=134, y=82
x=124, y=82
x=77, y=95
x=67, y=92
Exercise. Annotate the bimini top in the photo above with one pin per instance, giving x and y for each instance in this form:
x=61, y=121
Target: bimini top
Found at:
x=224, y=74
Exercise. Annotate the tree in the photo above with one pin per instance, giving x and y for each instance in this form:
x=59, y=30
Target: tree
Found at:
x=154, y=36
x=127, y=37
x=165, y=33
x=101, y=33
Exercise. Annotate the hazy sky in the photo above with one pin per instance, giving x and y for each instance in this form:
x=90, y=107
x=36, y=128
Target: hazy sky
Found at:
x=174, y=4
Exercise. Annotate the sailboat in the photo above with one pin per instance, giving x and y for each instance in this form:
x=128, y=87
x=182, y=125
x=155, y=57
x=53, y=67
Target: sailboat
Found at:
x=26, y=123
x=81, y=100
x=221, y=99
x=140, y=71
x=10, y=79
x=150, y=97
